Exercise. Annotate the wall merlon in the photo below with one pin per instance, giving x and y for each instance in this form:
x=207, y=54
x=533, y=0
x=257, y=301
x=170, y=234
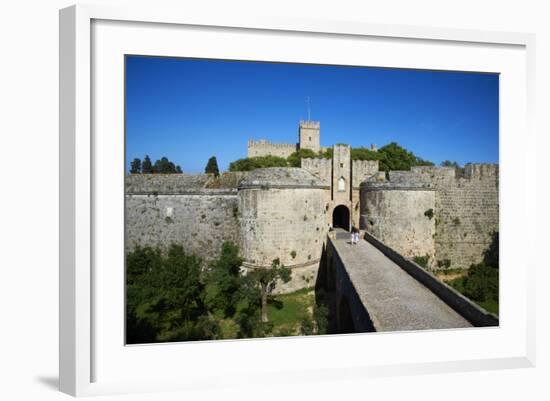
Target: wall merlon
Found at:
x=310, y=124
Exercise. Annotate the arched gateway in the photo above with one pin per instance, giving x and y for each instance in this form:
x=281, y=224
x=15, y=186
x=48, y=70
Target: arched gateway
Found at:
x=340, y=217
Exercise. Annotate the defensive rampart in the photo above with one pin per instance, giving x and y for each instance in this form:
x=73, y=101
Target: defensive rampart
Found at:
x=266, y=148
x=464, y=216
x=181, y=209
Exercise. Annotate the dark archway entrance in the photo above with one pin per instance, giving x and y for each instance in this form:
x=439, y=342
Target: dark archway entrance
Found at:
x=340, y=217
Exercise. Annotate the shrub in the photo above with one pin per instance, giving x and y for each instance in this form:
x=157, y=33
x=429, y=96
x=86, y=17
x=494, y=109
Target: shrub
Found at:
x=481, y=283
x=429, y=213
x=295, y=159
x=252, y=163
x=445, y=263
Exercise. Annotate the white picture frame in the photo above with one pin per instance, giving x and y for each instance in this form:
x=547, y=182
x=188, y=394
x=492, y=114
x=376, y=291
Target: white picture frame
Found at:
x=79, y=316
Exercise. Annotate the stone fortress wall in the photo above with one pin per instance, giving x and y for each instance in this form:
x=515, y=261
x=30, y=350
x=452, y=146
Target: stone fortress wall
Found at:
x=285, y=213
x=270, y=213
x=362, y=170
x=283, y=216
x=395, y=213
x=320, y=168
x=465, y=211
x=265, y=148
x=309, y=137
x=162, y=209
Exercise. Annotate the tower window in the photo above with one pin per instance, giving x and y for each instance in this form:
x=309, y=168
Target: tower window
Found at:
x=341, y=165
x=341, y=184
x=310, y=139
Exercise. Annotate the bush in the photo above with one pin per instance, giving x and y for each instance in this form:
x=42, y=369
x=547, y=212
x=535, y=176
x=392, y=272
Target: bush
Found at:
x=445, y=263
x=320, y=315
x=364, y=154
x=252, y=163
x=429, y=213
x=295, y=159
x=170, y=297
x=481, y=283
x=394, y=157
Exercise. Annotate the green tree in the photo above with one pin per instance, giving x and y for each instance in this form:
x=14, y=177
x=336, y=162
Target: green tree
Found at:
x=135, y=166
x=147, y=166
x=212, y=167
x=327, y=154
x=295, y=159
x=362, y=153
x=394, y=157
x=252, y=163
x=165, y=297
x=267, y=281
x=165, y=166
x=481, y=283
x=224, y=281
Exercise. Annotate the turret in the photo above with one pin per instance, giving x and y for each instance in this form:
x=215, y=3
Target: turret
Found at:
x=310, y=135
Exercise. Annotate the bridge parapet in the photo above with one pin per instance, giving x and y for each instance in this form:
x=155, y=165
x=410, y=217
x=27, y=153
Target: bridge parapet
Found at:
x=377, y=289
x=469, y=310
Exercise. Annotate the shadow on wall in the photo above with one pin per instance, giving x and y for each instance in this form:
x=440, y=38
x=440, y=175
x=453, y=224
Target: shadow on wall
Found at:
x=346, y=313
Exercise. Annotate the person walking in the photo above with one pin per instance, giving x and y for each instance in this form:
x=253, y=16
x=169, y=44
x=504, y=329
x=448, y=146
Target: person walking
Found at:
x=354, y=235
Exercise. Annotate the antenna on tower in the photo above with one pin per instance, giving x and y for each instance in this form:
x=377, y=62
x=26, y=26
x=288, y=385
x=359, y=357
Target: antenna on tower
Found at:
x=308, y=109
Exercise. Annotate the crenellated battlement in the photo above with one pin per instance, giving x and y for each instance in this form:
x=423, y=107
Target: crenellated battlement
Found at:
x=469, y=172
x=310, y=124
x=321, y=168
x=362, y=170
x=316, y=163
x=481, y=170
x=265, y=142
x=265, y=148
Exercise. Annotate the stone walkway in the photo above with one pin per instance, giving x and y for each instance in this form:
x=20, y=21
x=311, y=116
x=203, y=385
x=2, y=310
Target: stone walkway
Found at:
x=394, y=299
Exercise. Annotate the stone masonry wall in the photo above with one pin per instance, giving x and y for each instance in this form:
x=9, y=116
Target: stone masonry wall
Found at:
x=363, y=169
x=320, y=168
x=466, y=212
x=198, y=211
x=266, y=148
x=198, y=222
x=289, y=224
x=397, y=218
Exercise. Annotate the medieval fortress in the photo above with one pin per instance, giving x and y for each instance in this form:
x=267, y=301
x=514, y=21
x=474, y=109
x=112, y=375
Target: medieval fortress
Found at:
x=286, y=212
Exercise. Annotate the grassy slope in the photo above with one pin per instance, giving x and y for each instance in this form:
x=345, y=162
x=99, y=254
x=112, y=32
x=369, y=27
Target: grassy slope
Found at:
x=287, y=311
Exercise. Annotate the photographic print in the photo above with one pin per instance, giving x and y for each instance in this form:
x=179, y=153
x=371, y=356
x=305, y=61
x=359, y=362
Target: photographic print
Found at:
x=282, y=199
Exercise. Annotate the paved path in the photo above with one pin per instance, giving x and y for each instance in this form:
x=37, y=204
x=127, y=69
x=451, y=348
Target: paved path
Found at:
x=394, y=299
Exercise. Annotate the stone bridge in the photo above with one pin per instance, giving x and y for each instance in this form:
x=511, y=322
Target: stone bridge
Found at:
x=372, y=288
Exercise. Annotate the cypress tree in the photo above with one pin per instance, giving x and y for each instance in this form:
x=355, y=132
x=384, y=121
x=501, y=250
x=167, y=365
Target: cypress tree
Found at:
x=212, y=167
x=147, y=166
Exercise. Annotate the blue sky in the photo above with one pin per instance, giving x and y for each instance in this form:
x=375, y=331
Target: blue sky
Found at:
x=189, y=109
